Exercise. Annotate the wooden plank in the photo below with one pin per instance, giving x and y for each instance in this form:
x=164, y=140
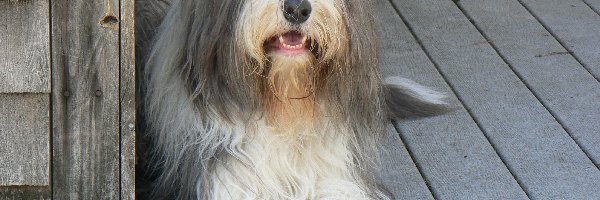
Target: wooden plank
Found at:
x=127, y=100
x=576, y=25
x=398, y=171
x=24, y=139
x=594, y=4
x=24, y=46
x=451, y=151
x=25, y=192
x=85, y=82
x=534, y=146
x=541, y=61
x=561, y=83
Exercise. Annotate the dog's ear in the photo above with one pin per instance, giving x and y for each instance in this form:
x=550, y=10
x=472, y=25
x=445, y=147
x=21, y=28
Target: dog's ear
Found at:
x=406, y=99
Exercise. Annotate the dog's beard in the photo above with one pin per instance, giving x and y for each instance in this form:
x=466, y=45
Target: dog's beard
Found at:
x=290, y=100
x=291, y=77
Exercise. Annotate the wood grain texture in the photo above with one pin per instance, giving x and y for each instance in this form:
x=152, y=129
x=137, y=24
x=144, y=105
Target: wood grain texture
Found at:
x=85, y=99
x=24, y=139
x=24, y=47
x=453, y=154
x=541, y=155
x=565, y=87
x=25, y=193
x=127, y=100
x=576, y=25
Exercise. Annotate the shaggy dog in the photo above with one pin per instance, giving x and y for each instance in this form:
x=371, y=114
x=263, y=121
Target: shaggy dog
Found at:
x=271, y=99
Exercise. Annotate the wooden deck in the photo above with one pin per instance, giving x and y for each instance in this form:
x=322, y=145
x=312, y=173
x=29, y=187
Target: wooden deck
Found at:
x=524, y=77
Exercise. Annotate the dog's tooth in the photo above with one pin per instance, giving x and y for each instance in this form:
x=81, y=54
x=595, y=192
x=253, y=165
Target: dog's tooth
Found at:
x=281, y=40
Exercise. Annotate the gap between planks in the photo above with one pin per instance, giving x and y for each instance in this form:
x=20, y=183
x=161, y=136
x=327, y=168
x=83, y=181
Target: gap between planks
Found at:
x=562, y=43
x=412, y=157
x=460, y=99
x=591, y=7
x=520, y=76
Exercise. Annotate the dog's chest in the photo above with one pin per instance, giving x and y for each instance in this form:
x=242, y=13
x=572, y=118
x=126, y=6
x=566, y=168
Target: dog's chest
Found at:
x=292, y=165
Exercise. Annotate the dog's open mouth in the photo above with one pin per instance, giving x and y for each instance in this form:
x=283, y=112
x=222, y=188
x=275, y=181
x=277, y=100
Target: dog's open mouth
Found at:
x=291, y=43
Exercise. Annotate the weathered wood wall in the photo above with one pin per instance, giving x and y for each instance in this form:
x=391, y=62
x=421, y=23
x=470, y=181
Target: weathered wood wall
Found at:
x=67, y=99
x=24, y=100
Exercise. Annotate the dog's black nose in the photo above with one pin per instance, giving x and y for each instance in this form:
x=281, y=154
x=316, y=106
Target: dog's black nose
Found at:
x=296, y=11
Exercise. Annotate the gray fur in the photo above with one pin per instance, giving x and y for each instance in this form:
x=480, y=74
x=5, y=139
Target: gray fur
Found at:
x=406, y=99
x=195, y=88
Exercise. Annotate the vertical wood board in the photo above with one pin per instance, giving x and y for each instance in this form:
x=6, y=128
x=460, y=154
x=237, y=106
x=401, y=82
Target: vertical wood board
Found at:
x=24, y=46
x=127, y=100
x=85, y=99
x=24, y=139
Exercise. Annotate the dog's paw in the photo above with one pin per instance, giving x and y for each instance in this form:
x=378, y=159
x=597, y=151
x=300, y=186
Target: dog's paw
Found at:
x=406, y=99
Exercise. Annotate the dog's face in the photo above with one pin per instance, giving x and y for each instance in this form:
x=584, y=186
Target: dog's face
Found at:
x=291, y=41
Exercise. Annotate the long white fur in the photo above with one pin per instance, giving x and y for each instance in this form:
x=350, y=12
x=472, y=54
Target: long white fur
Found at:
x=304, y=164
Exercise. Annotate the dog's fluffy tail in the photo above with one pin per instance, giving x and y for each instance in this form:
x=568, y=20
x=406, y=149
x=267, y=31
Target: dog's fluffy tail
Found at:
x=407, y=99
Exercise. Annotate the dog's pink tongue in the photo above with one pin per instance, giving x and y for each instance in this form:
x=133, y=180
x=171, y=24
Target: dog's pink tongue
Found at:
x=292, y=38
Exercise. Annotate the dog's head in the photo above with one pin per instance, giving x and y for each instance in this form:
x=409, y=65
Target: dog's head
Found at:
x=297, y=45
x=294, y=47
x=252, y=53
